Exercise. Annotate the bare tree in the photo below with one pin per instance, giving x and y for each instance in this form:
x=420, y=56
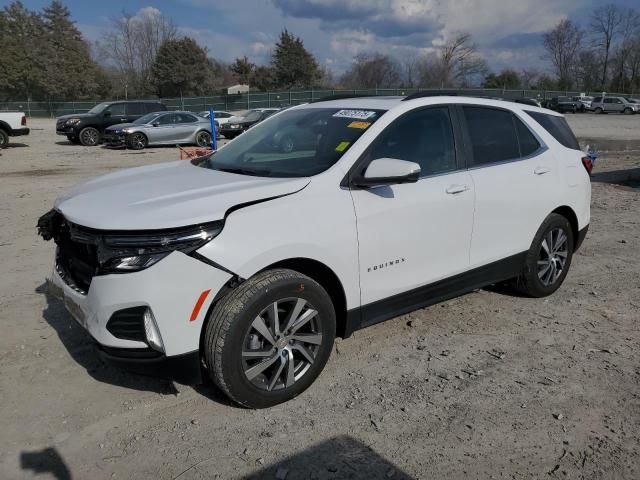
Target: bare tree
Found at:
x=372, y=71
x=606, y=22
x=529, y=77
x=460, y=61
x=563, y=43
x=132, y=45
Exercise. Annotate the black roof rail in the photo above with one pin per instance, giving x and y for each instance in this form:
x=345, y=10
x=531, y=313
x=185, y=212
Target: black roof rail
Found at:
x=432, y=93
x=339, y=96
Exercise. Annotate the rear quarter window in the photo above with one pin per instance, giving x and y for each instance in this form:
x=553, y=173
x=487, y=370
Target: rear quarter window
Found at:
x=557, y=127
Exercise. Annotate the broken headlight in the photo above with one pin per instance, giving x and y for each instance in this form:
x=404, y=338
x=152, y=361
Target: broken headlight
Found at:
x=131, y=252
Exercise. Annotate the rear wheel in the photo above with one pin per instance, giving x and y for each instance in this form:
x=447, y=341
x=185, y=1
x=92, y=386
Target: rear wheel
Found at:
x=549, y=258
x=203, y=138
x=137, y=141
x=4, y=139
x=598, y=110
x=89, y=137
x=269, y=339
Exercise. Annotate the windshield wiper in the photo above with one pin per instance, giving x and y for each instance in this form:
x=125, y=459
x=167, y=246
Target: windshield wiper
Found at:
x=245, y=171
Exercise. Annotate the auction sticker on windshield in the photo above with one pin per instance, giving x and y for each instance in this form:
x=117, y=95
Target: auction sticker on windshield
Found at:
x=357, y=114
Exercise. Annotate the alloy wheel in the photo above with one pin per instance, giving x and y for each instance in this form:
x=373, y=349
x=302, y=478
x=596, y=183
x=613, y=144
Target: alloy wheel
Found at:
x=137, y=141
x=553, y=256
x=90, y=136
x=281, y=344
x=203, y=139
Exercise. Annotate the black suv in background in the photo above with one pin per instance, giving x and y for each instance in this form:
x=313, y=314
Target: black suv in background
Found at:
x=87, y=128
x=563, y=105
x=231, y=130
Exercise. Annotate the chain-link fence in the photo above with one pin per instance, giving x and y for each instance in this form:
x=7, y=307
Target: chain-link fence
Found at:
x=246, y=101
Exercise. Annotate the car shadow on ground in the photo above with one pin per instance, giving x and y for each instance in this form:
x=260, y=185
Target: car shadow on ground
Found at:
x=47, y=460
x=629, y=178
x=15, y=145
x=339, y=457
x=81, y=347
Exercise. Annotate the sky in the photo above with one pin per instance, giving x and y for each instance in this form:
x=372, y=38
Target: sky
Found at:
x=508, y=32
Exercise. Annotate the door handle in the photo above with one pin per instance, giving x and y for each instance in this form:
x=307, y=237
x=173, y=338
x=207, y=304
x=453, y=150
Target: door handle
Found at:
x=453, y=189
x=541, y=170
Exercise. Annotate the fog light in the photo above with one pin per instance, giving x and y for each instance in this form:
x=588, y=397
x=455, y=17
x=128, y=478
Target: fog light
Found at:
x=151, y=331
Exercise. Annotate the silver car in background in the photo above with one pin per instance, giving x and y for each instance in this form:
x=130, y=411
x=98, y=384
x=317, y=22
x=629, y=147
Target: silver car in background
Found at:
x=160, y=128
x=614, y=105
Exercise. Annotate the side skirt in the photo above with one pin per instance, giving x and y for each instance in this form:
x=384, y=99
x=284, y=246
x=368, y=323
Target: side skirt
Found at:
x=442, y=290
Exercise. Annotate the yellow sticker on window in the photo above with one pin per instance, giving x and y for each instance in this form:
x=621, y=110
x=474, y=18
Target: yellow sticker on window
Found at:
x=360, y=125
x=342, y=146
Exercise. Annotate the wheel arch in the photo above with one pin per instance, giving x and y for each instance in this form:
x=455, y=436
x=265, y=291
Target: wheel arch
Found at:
x=568, y=213
x=6, y=127
x=313, y=269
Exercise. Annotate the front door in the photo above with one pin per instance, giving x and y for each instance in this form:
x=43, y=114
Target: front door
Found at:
x=411, y=235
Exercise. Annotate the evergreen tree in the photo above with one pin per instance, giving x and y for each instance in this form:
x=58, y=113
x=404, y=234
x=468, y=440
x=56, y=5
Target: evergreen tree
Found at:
x=182, y=68
x=242, y=69
x=294, y=66
x=69, y=69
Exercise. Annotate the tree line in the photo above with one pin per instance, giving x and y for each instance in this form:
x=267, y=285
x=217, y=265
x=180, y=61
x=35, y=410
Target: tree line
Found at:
x=45, y=57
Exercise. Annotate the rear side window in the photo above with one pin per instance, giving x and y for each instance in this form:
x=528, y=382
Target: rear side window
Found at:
x=558, y=128
x=528, y=142
x=136, y=109
x=493, y=135
x=155, y=107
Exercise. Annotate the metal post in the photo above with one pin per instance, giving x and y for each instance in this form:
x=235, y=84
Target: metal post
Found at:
x=214, y=132
x=248, y=101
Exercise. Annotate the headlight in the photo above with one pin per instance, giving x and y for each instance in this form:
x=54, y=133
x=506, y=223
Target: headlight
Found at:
x=234, y=126
x=127, y=130
x=72, y=121
x=133, y=252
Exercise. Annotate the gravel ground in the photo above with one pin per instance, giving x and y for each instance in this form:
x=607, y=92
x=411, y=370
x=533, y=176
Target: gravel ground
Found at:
x=489, y=385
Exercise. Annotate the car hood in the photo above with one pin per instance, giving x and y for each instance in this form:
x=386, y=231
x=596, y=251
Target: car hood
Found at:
x=167, y=195
x=76, y=115
x=120, y=126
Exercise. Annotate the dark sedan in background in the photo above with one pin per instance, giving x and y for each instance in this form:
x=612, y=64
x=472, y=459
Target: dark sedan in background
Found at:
x=252, y=117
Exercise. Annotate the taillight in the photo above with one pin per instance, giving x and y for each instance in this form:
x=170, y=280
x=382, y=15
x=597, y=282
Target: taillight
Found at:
x=24, y=121
x=588, y=164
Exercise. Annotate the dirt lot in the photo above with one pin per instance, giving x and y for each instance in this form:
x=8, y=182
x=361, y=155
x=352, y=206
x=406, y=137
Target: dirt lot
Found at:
x=489, y=385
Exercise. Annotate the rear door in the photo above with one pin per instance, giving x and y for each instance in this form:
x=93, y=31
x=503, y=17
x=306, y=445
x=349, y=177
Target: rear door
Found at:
x=514, y=179
x=414, y=234
x=185, y=127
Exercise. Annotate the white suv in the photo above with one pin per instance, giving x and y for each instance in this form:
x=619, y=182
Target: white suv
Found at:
x=247, y=264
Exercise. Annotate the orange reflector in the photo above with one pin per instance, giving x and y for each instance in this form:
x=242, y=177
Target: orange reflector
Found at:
x=198, y=305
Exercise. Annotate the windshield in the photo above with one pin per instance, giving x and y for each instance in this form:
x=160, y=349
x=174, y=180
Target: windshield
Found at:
x=148, y=118
x=252, y=116
x=295, y=143
x=99, y=108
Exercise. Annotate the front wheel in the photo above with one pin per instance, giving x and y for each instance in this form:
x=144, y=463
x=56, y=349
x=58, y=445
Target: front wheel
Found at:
x=203, y=139
x=549, y=258
x=89, y=137
x=269, y=339
x=628, y=111
x=137, y=141
x=4, y=139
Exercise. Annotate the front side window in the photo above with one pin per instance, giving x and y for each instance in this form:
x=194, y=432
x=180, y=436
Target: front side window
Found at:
x=117, y=109
x=168, y=119
x=492, y=133
x=295, y=143
x=422, y=136
x=148, y=118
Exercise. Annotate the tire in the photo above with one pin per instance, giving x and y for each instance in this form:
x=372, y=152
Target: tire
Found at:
x=236, y=327
x=627, y=111
x=286, y=144
x=203, y=138
x=89, y=137
x=598, y=110
x=4, y=139
x=137, y=141
x=74, y=140
x=544, y=273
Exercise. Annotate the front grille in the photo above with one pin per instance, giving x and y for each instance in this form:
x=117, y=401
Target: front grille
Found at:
x=128, y=324
x=77, y=259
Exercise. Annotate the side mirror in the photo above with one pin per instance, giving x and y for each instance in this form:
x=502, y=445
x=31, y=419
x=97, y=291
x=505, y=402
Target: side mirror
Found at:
x=388, y=171
x=155, y=124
